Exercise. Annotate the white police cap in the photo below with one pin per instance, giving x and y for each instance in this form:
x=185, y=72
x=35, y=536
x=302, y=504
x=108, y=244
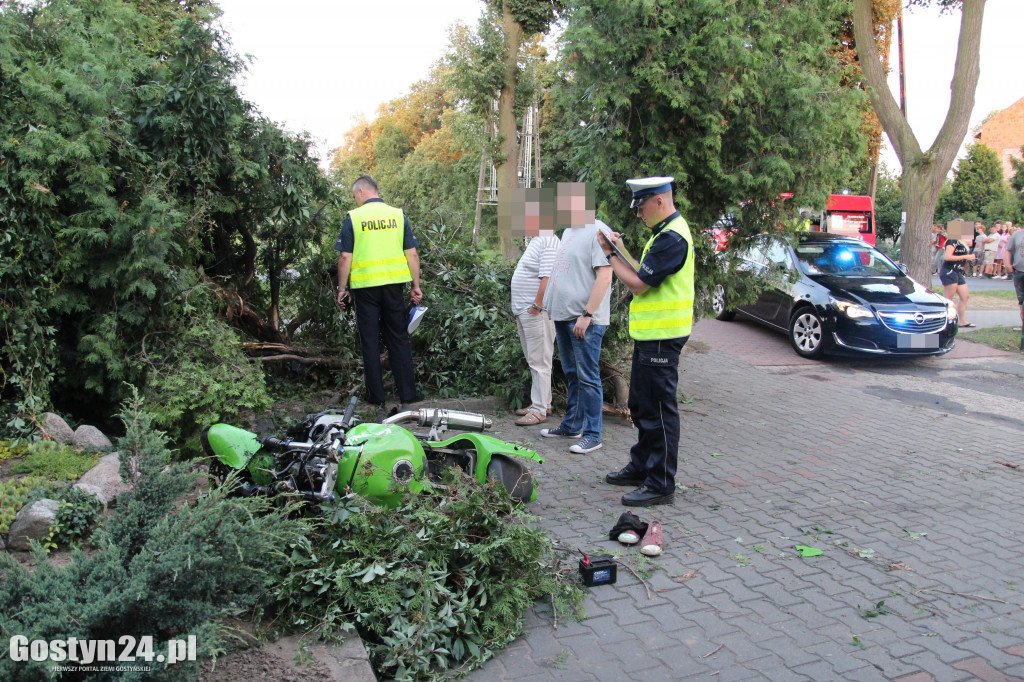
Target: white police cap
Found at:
x=643, y=187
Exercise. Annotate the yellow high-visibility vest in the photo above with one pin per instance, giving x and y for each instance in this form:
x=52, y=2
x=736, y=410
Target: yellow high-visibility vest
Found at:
x=377, y=254
x=666, y=311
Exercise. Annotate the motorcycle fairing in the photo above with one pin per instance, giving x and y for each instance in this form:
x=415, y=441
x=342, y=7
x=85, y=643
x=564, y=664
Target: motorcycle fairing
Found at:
x=496, y=459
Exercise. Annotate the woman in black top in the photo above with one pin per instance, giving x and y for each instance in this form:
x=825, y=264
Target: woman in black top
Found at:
x=952, y=277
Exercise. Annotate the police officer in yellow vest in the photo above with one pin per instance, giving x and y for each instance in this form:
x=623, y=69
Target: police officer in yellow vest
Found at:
x=377, y=256
x=660, y=319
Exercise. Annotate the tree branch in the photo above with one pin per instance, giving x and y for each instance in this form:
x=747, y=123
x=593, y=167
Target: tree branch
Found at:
x=893, y=121
x=965, y=82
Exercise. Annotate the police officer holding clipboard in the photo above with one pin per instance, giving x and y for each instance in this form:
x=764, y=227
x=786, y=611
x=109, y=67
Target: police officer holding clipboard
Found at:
x=660, y=320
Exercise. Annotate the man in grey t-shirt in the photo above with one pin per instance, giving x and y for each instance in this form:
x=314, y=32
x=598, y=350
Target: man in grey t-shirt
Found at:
x=578, y=300
x=1013, y=261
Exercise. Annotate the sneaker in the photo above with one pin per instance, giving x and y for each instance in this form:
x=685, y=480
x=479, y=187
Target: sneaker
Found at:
x=628, y=530
x=652, y=543
x=586, y=445
x=560, y=432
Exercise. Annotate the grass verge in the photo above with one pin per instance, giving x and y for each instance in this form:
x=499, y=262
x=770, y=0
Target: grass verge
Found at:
x=1000, y=338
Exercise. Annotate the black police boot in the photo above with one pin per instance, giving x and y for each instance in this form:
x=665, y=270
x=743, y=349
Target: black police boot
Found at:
x=645, y=497
x=625, y=477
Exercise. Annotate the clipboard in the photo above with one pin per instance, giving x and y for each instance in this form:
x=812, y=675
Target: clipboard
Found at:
x=622, y=253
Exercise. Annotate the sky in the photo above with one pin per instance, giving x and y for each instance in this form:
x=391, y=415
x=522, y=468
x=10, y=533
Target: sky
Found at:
x=930, y=48
x=318, y=65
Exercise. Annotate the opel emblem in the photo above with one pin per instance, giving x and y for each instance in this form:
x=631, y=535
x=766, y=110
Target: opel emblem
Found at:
x=919, y=318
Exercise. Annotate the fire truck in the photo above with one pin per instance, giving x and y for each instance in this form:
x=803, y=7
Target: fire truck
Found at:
x=848, y=214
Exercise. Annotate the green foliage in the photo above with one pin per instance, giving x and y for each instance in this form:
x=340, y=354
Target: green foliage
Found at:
x=199, y=376
x=434, y=586
x=888, y=207
x=977, y=183
x=160, y=568
x=56, y=461
x=534, y=16
x=12, y=449
x=1017, y=181
x=135, y=185
x=15, y=494
x=76, y=515
x=469, y=344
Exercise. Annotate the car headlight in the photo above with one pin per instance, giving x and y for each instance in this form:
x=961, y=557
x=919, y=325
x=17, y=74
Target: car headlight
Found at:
x=850, y=309
x=951, y=313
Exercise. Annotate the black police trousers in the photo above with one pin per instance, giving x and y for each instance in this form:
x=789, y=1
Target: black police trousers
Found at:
x=381, y=311
x=654, y=410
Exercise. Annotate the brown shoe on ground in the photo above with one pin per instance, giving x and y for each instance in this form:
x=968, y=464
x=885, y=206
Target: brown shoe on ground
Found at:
x=531, y=418
x=523, y=411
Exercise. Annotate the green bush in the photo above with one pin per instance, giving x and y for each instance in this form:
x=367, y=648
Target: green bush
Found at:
x=55, y=461
x=76, y=515
x=434, y=586
x=160, y=568
x=468, y=344
x=15, y=493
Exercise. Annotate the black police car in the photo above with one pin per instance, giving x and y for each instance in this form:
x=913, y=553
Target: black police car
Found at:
x=839, y=294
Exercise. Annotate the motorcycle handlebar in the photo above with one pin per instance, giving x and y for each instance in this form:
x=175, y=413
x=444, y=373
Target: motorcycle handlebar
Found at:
x=350, y=411
x=278, y=444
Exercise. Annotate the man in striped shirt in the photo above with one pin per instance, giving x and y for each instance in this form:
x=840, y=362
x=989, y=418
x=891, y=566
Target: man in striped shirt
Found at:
x=529, y=282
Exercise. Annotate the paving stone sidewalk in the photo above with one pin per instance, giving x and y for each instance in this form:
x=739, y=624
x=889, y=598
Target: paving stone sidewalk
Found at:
x=921, y=577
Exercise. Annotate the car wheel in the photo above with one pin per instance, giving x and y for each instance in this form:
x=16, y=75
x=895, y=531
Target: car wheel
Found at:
x=806, y=333
x=718, y=305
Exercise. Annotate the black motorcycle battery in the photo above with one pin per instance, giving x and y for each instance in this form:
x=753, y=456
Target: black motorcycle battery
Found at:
x=599, y=569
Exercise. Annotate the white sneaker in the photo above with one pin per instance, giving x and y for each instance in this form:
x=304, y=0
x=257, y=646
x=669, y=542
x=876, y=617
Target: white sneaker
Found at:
x=586, y=445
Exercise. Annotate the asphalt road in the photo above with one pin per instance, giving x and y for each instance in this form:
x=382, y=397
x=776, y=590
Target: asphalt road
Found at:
x=980, y=284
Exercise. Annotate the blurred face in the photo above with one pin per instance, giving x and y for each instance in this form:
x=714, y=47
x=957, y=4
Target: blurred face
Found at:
x=574, y=208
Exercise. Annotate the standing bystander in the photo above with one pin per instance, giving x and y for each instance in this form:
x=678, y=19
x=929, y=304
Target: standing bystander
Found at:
x=578, y=298
x=952, y=277
x=991, y=244
x=978, y=249
x=938, y=246
x=1002, y=273
x=660, y=320
x=1013, y=261
x=529, y=283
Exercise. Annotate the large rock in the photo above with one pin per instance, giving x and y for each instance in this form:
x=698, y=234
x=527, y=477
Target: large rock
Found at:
x=90, y=437
x=103, y=480
x=32, y=523
x=57, y=429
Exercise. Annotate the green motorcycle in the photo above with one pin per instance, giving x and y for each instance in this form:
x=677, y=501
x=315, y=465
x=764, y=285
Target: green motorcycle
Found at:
x=331, y=452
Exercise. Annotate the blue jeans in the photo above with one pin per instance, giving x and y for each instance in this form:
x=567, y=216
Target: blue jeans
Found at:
x=581, y=364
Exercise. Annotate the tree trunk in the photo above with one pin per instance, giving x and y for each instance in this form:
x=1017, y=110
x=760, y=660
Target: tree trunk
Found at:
x=923, y=172
x=920, y=186
x=507, y=177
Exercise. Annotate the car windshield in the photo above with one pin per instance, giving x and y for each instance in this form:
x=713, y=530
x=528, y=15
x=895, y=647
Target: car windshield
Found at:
x=845, y=259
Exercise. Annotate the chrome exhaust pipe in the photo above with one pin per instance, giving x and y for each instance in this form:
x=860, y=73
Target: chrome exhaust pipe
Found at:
x=453, y=419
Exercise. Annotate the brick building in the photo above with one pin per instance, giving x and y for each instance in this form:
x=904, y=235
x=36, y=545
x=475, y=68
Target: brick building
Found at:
x=1004, y=133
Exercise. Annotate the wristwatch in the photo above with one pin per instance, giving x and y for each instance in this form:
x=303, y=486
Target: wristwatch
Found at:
x=586, y=313
x=611, y=255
